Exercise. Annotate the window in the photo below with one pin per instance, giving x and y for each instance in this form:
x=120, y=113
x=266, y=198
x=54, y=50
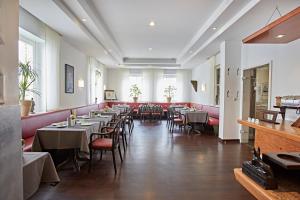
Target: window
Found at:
x=136, y=78
x=98, y=86
x=168, y=79
x=217, y=84
x=31, y=50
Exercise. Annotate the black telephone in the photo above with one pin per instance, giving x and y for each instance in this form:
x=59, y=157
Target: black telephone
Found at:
x=259, y=171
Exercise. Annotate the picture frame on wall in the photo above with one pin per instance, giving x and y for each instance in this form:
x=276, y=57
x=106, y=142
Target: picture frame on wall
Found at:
x=69, y=79
x=110, y=95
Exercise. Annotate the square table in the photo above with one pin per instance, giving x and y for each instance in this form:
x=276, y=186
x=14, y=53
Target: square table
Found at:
x=37, y=167
x=76, y=137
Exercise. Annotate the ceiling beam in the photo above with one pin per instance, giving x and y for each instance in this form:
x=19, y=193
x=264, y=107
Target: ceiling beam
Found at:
x=233, y=20
x=211, y=20
x=107, y=37
x=78, y=22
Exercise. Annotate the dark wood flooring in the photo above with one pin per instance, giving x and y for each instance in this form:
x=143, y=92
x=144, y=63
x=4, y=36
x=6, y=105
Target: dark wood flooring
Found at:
x=158, y=166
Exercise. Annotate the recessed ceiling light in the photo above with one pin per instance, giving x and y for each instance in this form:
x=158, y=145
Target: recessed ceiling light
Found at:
x=150, y=49
x=83, y=19
x=214, y=28
x=152, y=23
x=280, y=36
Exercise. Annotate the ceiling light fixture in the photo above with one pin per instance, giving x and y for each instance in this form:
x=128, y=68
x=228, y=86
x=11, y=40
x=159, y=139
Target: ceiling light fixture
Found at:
x=83, y=19
x=150, y=49
x=280, y=36
x=214, y=28
x=152, y=23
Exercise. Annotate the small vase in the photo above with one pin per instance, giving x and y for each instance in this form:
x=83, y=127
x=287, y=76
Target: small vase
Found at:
x=169, y=99
x=25, y=107
x=135, y=99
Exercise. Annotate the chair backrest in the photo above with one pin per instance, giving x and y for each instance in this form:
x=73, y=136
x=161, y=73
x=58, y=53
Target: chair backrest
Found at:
x=116, y=132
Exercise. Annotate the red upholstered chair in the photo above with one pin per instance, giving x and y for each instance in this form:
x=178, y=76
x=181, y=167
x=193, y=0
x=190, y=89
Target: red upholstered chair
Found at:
x=108, y=139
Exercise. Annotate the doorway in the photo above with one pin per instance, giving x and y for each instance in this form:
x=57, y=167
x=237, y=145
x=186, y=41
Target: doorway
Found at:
x=256, y=92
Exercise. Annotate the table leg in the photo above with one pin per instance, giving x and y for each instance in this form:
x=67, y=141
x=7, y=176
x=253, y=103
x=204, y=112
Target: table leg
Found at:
x=282, y=112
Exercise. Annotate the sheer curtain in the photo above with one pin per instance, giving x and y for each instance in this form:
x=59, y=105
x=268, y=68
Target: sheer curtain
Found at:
x=52, y=62
x=95, y=80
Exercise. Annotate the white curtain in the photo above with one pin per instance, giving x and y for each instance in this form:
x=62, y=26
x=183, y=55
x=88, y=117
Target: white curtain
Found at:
x=152, y=84
x=52, y=62
x=96, y=80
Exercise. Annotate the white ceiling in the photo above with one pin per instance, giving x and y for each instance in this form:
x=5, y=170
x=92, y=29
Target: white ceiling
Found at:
x=117, y=29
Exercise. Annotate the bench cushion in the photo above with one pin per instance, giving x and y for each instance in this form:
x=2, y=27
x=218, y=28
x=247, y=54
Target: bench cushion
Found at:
x=28, y=143
x=213, y=121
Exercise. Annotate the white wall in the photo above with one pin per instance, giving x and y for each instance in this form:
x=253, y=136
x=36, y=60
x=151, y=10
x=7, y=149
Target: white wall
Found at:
x=11, y=177
x=285, y=62
x=71, y=56
x=204, y=74
x=117, y=79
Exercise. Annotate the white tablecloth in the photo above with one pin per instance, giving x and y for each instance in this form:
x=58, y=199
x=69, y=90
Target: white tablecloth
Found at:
x=76, y=137
x=37, y=167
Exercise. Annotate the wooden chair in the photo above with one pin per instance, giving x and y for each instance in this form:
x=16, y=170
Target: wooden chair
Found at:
x=177, y=119
x=145, y=112
x=157, y=112
x=108, y=139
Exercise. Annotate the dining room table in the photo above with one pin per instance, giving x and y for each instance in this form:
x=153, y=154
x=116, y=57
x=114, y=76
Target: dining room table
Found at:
x=60, y=136
x=193, y=117
x=38, y=167
x=113, y=112
x=123, y=108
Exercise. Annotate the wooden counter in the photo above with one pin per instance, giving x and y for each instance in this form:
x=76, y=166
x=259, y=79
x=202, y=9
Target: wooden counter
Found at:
x=275, y=137
x=286, y=190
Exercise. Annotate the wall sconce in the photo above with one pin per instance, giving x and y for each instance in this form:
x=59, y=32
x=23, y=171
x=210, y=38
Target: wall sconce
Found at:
x=104, y=87
x=203, y=87
x=80, y=83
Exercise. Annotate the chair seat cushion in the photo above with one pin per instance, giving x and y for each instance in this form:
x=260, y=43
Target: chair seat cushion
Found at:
x=28, y=143
x=213, y=121
x=178, y=120
x=102, y=143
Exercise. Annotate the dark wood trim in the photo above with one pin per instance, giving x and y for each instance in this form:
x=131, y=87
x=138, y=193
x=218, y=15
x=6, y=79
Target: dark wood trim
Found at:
x=231, y=141
x=284, y=25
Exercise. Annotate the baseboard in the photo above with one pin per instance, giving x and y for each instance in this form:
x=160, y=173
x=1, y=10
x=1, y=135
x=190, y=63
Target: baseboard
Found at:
x=231, y=141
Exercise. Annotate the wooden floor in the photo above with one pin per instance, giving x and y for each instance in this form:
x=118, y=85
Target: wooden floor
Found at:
x=158, y=166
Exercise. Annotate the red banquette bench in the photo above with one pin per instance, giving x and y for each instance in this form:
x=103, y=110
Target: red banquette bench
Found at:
x=33, y=122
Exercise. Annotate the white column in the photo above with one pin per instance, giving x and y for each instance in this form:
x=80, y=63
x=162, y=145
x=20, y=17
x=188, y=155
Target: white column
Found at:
x=230, y=81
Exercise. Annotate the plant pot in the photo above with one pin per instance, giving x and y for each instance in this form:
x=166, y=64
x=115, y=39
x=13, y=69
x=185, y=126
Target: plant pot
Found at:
x=135, y=99
x=169, y=99
x=25, y=107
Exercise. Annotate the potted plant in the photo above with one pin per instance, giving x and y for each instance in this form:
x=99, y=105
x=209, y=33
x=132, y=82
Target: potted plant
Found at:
x=135, y=92
x=169, y=92
x=27, y=77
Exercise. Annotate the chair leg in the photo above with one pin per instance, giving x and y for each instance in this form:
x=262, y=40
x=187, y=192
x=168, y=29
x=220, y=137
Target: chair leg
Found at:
x=123, y=141
x=91, y=159
x=120, y=153
x=114, y=160
x=101, y=154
